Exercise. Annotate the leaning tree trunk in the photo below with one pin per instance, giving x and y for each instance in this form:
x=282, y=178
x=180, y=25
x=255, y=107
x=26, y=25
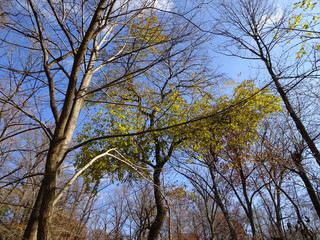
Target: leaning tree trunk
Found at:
x=297, y=159
x=39, y=224
x=32, y=225
x=40, y=221
x=225, y=212
x=293, y=114
x=48, y=185
x=156, y=226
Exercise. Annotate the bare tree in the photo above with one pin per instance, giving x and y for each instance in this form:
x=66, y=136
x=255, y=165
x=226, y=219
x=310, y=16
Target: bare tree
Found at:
x=213, y=193
x=256, y=30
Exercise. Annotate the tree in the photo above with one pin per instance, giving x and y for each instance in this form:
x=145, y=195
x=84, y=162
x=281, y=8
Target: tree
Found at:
x=213, y=195
x=148, y=103
x=161, y=102
x=254, y=32
x=225, y=148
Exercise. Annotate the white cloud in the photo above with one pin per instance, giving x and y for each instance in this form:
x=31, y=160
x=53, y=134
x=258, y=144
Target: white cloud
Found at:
x=124, y=5
x=164, y=4
x=272, y=19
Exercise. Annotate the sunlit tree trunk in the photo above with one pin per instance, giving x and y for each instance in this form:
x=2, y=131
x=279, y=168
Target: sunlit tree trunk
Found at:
x=157, y=223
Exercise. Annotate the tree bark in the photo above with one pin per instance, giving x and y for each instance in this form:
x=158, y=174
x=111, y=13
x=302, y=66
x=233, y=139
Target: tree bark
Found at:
x=62, y=136
x=299, y=124
x=249, y=210
x=156, y=226
x=217, y=197
x=304, y=177
x=32, y=226
x=49, y=189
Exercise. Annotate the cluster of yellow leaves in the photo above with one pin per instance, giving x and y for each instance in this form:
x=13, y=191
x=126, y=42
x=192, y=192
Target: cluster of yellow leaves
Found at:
x=134, y=106
x=137, y=107
x=231, y=124
x=305, y=4
x=148, y=30
x=306, y=21
x=242, y=113
x=231, y=135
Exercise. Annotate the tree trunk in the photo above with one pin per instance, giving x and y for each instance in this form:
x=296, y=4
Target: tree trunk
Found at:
x=49, y=189
x=249, y=210
x=32, y=226
x=302, y=173
x=217, y=197
x=161, y=210
x=296, y=119
x=233, y=233
x=65, y=126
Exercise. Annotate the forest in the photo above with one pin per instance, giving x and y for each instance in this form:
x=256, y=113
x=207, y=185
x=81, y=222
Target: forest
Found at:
x=159, y=120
